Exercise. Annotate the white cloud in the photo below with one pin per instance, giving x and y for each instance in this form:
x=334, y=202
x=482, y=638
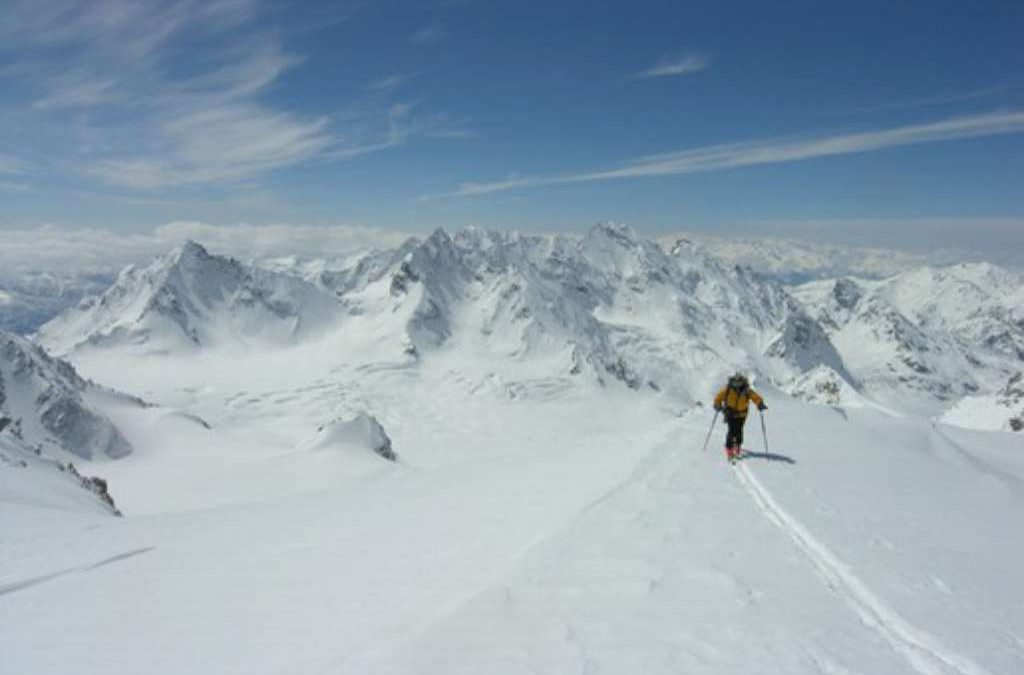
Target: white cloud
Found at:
x=771, y=151
x=77, y=89
x=112, y=102
x=226, y=142
x=51, y=248
x=390, y=82
x=683, y=65
x=430, y=34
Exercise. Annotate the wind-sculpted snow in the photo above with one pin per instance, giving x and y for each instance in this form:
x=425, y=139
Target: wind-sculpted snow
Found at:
x=362, y=432
x=42, y=401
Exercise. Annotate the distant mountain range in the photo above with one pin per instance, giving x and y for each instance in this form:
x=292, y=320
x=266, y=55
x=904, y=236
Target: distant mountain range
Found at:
x=611, y=306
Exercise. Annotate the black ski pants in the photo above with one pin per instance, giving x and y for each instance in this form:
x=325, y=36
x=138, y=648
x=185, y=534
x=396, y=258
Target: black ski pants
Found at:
x=734, y=436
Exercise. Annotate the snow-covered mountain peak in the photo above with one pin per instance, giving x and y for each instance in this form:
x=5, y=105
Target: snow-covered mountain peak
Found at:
x=191, y=251
x=618, y=249
x=191, y=298
x=626, y=235
x=846, y=293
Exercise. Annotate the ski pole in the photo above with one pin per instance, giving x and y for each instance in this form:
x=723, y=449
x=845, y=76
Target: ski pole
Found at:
x=710, y=431
x=763, y=431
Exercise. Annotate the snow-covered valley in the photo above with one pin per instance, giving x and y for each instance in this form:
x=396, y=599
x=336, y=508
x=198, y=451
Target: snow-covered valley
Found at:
x=543, y=504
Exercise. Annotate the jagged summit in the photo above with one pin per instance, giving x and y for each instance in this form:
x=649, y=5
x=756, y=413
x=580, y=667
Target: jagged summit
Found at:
x=191, y=298
x=622, y=232
x=191, y=250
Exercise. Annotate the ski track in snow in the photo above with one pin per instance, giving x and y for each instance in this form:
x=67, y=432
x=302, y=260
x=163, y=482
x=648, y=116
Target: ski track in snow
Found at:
x=922, y=651
x=16, y=586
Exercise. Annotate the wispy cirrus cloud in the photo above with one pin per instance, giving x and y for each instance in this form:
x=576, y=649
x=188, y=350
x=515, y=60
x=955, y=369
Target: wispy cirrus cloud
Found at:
x=429, y=34
x=151, y=95
x=390, y=82
x=673, y=67
x=769, y=151
x=221, y=143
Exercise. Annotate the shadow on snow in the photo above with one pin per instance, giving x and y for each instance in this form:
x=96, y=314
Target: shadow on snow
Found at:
x=771, y=457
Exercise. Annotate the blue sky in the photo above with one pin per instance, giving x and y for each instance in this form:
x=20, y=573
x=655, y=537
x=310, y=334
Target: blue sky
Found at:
x=873, y=122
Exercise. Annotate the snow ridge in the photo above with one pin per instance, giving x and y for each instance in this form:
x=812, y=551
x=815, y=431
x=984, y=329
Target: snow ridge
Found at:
x=932, y=335
x=42, y=404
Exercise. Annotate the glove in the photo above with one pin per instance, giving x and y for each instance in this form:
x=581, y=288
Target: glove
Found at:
x=719, y=408
x=762, y=406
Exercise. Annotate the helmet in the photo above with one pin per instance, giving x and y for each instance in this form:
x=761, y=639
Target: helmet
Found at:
x=738, y=381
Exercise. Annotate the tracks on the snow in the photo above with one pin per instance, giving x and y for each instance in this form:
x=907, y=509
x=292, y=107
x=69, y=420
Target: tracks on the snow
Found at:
x=922, y=651
x=16, y=586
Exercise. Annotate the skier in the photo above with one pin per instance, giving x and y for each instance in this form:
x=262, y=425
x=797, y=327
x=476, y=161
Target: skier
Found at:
x=732, y=401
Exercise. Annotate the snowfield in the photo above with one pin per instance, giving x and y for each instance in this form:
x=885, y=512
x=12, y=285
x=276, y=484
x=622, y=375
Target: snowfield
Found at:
x=484, y=456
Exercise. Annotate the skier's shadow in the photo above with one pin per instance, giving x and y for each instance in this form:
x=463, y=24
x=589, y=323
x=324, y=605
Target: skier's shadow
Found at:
x=769, y=456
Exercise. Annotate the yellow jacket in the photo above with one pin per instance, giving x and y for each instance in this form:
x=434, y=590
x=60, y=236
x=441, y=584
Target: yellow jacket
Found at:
x=737, y=402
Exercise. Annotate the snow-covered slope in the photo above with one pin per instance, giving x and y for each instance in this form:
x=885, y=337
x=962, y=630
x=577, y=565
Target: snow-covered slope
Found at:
x=191, y=299
x=551, y=512
x=27, y=477
x=928, y=336
x=582, y=534
x=44, y=404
